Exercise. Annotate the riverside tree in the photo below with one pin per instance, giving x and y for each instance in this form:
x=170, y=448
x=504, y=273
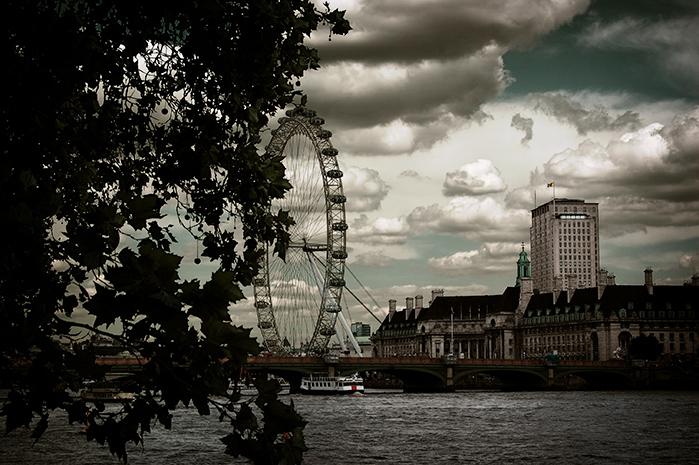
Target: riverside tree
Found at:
x=645, y=347
x=124, y=122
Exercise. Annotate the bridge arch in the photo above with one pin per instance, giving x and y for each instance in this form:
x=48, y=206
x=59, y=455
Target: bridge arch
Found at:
x=522, y=379
x=599, y=378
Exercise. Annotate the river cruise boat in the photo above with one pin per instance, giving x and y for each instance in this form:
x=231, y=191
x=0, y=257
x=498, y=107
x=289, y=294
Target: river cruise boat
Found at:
x=323, y=384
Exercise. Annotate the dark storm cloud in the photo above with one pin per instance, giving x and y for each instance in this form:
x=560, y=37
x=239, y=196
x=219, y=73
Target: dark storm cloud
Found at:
x=399, y=31
x=422, y=61
x=670, y=44
x=568, y=111
x=525, y=125
x=361, y=97
x=627, y=214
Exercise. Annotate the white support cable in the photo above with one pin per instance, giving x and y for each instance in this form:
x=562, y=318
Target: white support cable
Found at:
x=367, y=293
x=339, y=318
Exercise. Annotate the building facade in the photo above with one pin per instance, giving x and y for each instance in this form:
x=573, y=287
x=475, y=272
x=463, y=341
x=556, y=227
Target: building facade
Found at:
x=562, y=303
x=564, y=238
x=592, y=323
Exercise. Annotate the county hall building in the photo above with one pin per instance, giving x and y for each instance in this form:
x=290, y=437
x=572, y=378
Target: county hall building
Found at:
x=566, y=304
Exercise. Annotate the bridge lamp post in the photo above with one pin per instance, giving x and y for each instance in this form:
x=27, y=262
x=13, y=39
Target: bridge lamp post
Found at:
x=451, y=345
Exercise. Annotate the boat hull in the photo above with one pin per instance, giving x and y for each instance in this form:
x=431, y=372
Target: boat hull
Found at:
x=329, y=385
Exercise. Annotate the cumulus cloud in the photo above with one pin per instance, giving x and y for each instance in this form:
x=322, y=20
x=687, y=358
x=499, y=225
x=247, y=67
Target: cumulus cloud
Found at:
x=671, y=42
x=475, y=219
x=364, y=189
x=380, y=231
x=521, y=198
x=662, y=159
x=525, y=125
x=412, y=174
x=568, y=111
x=489, y=259
x=373, y=260
x=690, y=262
x=397, y=137
x=477, y=178
x=682, y=138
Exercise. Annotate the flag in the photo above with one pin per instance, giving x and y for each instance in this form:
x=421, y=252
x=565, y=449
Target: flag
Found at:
x=549, y=184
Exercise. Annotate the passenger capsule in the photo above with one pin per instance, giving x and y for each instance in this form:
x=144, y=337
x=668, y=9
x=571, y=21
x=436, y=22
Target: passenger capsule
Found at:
x=324, y=134
x=335, y=174
x=339, y=254
x=317, y=121
x=332, y=308
x=330, y=152
x=337, y=198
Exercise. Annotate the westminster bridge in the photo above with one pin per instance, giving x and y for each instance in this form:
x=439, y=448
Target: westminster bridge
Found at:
x=420, y=374
x=426, y=374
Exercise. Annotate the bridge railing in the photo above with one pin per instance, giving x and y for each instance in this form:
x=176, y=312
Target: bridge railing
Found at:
x=430, y=360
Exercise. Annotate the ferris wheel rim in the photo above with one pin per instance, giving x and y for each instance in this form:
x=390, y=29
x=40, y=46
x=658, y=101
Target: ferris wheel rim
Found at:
x=303, y=123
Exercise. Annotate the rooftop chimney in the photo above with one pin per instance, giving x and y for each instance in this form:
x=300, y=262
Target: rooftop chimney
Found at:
x=391, y=309
x=436, y=293
x=695, y=280
x=418, y=305
x=408, y=307
x=649, y=280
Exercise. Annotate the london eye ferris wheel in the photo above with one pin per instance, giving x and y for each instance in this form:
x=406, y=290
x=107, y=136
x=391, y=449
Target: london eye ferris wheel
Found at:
x=298, y=300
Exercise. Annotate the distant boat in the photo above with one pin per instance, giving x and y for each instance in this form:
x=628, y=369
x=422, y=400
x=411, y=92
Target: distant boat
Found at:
x=250, y=390
x=106, y=392
x=321, y=384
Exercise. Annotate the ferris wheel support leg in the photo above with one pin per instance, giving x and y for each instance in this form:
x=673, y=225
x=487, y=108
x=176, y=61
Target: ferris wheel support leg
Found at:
x=338, y=333
x=348, y=331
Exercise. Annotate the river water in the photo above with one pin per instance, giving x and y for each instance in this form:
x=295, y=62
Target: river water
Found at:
x=390, y=427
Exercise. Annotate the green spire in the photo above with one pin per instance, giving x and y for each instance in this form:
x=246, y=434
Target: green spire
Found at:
x=523, y=266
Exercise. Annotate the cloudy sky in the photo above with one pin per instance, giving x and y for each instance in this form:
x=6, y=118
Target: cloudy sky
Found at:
x=451, y=116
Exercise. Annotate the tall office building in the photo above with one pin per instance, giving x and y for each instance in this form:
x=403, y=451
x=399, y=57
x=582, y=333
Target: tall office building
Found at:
x=564, y=239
